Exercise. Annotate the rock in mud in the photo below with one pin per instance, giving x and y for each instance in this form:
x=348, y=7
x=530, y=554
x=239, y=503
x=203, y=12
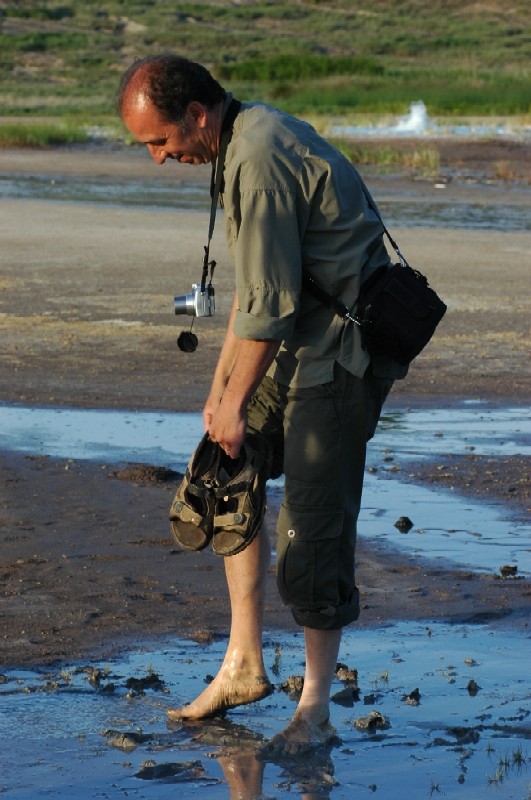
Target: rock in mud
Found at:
x=172, y=771
x=150, y=681
x=125, y=740
x=346, y=674
x=508, y=571
x=413, y=698
x=404, y=524
x=374, y=722
x=293, y=685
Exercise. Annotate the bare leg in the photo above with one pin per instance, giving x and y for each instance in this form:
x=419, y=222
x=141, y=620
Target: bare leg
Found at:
x=310, y=726
x=242, y=676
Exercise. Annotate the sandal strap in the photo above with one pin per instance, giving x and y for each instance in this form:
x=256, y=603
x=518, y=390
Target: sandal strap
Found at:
x=185, y=513
x=233, y=489
x=203, y=492
x=231, y=520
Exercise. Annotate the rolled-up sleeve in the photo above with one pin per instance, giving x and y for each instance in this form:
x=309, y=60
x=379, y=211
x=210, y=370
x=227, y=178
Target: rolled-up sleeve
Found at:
x=265, y=243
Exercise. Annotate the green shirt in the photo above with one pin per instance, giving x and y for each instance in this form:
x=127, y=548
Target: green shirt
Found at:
x=293, y=202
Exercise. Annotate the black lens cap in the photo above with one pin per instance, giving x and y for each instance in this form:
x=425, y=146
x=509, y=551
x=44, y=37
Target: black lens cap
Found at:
x=187, y=342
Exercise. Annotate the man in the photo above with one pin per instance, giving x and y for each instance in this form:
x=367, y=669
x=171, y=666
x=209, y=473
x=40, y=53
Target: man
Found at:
x=289, y=369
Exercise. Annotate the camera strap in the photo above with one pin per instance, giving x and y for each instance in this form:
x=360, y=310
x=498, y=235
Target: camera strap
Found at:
x=217, y=183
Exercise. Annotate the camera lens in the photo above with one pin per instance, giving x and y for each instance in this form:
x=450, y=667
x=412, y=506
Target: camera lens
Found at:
x=184, y=304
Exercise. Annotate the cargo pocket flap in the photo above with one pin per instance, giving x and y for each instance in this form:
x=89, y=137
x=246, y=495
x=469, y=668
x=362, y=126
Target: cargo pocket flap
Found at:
x=308, y=525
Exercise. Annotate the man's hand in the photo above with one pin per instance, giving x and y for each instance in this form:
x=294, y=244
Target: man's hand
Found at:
x=227, y=427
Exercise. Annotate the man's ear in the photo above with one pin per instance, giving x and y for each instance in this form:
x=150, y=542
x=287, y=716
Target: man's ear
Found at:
x=198, y=113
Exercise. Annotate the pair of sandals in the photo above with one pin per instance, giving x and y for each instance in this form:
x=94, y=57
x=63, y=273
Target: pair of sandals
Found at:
x=222, y=500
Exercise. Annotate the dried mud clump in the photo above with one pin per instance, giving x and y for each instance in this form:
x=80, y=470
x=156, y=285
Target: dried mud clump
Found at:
x=174, y=771
x=146, y=474
x=374, y=722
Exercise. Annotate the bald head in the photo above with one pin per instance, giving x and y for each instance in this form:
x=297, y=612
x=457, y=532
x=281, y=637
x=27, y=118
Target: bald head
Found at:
x=169, y=83
x=136, y=92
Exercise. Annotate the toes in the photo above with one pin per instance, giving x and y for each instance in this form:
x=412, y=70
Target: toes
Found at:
x=175, y=714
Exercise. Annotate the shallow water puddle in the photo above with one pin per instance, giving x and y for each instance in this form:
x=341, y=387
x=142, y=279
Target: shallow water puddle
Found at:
x=110, y=436
x=83, y=732
x=184, y=196
x=169, y=438
x=470, y=427
x=445, y=526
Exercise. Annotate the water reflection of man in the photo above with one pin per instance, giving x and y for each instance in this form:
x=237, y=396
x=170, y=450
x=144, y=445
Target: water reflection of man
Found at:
x=244, y=774
x=291, y=201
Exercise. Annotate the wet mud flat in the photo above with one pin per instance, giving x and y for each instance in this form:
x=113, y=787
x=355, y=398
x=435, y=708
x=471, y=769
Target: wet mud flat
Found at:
x=96, y=603
x=429, y=709
x=432, y=682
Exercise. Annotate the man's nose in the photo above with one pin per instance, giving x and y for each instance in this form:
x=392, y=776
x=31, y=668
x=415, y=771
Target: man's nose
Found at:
x=157, y=154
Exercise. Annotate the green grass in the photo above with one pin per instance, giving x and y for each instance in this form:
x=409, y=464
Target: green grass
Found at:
x=420, y=160
x=64, y=57
x=40, y=134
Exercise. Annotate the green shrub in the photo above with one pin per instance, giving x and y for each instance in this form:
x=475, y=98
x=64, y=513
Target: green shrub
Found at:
x=39, y=135
x=40, y=12
x=42, y=42
x=298, y=66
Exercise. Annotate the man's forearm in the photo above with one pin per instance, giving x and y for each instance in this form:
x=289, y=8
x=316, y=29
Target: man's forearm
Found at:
x=228, y=353
x=249, y=358
x=253, y=359
x=241, y=366
x=227, y=422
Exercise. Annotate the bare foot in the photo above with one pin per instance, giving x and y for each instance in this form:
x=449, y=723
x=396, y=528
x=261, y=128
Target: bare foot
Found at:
x=301, y=736
x=221, y=695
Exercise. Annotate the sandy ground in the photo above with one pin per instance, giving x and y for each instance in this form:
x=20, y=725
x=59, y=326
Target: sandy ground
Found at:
x=86, y=320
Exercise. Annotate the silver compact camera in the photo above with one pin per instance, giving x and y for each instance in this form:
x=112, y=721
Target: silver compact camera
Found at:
x=197, y=303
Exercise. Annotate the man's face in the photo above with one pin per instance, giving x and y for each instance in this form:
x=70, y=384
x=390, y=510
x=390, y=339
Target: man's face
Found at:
x=191, y=144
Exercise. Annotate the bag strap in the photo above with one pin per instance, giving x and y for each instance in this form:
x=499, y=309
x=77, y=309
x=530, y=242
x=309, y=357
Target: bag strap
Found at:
x=374, y=207
x=339, y=308
x=216, y=183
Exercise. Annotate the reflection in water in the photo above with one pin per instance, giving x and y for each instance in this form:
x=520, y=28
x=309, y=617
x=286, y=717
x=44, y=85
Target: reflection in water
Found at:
x=243, y=764
x=243, y=771
x=312, y=775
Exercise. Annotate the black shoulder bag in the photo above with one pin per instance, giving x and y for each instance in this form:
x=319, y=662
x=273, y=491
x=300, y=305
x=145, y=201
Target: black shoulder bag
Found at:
x=397, y=311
